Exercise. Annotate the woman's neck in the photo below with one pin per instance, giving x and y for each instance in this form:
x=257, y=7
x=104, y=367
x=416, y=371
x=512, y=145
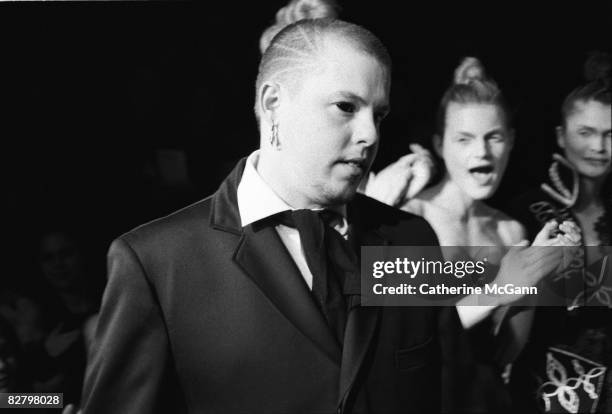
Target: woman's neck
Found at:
x=589, y=195
x=450, y=196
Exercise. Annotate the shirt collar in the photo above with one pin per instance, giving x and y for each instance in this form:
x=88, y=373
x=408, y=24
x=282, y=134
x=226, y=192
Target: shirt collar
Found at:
x=257, y=200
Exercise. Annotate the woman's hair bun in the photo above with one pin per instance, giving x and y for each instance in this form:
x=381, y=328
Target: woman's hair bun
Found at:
x=468, y=71
x=294, y=11
x=305, y=9
x=597, y=67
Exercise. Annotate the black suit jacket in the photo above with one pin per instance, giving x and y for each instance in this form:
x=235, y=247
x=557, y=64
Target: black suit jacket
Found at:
x=203, y=316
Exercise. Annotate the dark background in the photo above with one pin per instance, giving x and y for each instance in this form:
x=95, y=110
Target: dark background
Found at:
x=113, y=114
x=90, y=92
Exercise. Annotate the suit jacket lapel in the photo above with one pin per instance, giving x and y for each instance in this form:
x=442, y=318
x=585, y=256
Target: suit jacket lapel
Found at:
x=264, y=258
x=360, y=330
x=361, y=321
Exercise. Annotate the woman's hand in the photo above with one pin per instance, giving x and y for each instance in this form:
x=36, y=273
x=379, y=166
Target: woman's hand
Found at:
x=403, y=179
x=526, y=266
x=553, y=234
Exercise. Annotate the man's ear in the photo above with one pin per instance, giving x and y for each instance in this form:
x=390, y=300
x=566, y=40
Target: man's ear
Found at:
x=269, y=101
x=437, y=145
x=560, y=136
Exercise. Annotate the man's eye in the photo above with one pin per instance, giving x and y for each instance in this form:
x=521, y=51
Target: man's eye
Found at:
x=346, y=107
x=584, y=133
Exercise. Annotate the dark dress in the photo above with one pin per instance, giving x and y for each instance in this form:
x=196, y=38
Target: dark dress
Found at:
x=565, y=365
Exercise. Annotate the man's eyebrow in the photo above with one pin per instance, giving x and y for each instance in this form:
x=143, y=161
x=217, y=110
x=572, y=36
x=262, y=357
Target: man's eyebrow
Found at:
x=353, y=96
x=583, y=126
x=494, y=131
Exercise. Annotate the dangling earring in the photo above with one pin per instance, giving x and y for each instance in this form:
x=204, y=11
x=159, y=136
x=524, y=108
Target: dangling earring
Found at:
x=274, y=136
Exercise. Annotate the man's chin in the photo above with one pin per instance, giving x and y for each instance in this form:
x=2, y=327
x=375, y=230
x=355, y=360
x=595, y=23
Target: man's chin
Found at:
x=340, y=195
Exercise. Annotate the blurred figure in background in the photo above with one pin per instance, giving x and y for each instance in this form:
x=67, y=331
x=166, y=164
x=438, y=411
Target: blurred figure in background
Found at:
x=53, y=316
x=10, y=380
x=566, y=362
x=77, y=285
x=474, y=139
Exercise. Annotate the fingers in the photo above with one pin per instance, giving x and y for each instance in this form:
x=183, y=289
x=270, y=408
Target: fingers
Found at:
x=402, y=179
x=565, y=234
x=421, y=153
x=563, y=240
x=405, y=160
x=571, y=232
x=390, y=184
x=417, y=148
x=549, y=228
x=545, y=235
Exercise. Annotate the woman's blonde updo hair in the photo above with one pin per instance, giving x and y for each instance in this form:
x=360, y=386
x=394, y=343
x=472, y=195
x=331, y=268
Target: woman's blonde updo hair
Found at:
x=471, y=85
x=294, y=11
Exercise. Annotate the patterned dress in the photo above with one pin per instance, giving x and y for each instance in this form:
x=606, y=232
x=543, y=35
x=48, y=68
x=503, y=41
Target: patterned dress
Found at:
x=566, y=365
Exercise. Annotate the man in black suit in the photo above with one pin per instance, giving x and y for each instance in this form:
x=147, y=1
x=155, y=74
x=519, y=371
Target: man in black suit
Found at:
x=216, y=308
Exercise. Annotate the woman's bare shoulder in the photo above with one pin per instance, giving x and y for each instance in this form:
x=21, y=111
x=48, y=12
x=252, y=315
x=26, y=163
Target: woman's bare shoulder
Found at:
x=510, y=230
x=419, y=204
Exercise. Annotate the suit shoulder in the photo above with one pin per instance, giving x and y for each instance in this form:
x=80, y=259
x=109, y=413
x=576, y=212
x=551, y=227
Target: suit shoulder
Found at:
x=399, y=226
x=181, y=223
x=383, y=212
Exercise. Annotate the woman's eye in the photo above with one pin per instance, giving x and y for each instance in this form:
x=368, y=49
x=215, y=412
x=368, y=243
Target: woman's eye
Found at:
x=346, y=107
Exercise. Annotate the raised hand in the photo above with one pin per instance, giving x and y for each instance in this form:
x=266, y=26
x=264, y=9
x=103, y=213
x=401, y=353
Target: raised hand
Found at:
x=403, y=179
x=553, y=234
x=526, y=266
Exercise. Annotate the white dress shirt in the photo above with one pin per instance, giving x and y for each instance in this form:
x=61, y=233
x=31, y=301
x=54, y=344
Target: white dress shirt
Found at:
x=257, y=200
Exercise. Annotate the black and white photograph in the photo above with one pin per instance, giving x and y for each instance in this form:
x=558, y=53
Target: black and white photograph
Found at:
x=223, y=207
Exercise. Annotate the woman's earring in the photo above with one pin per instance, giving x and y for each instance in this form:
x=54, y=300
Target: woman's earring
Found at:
x=274, y=136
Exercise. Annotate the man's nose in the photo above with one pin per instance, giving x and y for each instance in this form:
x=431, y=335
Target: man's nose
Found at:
x=366, y=131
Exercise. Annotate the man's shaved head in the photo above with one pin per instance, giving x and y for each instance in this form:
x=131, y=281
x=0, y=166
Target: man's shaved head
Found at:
x=297, y=48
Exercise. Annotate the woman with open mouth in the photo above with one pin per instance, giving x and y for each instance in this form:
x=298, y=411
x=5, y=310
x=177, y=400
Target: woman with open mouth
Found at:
x=474, y=139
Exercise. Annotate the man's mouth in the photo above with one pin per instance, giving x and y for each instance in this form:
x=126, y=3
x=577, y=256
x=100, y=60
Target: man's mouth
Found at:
x=357, y=164
x=483, y=174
